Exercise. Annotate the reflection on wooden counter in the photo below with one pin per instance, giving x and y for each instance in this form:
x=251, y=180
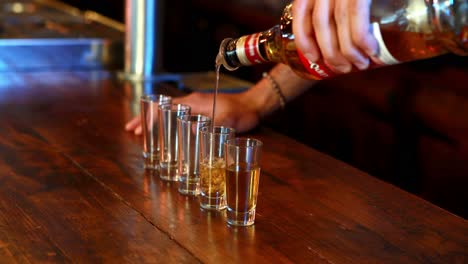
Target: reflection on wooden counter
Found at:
x=73, y=189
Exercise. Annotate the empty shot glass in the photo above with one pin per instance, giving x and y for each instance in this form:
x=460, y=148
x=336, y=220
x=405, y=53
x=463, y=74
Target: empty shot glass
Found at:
x=213, y=166
x=242, y=178
x=169, y=144
x=149, y=109
x=189, y=175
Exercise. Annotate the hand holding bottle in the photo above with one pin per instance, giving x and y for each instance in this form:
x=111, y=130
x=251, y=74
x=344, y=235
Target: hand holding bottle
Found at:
x=336, y=30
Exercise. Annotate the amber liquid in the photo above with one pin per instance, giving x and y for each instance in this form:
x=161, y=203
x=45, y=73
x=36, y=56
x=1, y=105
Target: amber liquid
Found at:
x=410, y=46
x=213, y=177
x=403, y=46
x=242, y=187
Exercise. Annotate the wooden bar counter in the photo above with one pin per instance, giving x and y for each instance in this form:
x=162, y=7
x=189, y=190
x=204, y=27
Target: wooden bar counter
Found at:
x=73, y=189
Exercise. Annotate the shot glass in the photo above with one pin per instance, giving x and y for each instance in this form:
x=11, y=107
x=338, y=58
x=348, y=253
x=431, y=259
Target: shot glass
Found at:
x=188, y=136
x=242, y=178
x=213, y=166
x=149, y=110
x=169, y=144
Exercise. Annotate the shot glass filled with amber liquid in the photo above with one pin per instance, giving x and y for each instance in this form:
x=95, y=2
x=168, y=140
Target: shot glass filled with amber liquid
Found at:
x=242, y=156
x=213, y=166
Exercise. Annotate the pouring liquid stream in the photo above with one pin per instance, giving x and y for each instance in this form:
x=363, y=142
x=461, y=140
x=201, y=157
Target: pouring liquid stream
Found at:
x=217, y=69
x=213, y=113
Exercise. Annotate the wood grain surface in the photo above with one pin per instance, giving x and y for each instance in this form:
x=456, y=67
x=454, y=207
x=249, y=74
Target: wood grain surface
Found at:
x=73, y=189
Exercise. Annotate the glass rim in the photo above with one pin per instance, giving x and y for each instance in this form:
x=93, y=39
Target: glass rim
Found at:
x=195, y=118
x=209, y=130
x=153, y=98
x=175, y=107
x=243, y=142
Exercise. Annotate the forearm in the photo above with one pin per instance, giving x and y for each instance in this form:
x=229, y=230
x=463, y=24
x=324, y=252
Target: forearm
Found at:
x=266, y=98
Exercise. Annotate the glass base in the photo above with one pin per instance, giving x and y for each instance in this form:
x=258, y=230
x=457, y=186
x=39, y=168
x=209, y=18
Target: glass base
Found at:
x=151, y=164
x=240, y=218
x=213, y=203
x=168, y=171
x=151, y=161
x=189, y=187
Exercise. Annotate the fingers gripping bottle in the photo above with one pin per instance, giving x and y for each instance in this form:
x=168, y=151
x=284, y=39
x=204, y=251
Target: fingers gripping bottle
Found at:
x=406, y=30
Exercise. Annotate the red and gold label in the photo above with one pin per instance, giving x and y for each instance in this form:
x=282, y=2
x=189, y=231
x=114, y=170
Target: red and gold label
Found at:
x=248, y=50
x=318, y=69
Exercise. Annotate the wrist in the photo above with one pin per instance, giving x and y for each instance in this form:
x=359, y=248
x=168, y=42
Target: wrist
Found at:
x=275, y=86
x=268, y=94
x=262, y=97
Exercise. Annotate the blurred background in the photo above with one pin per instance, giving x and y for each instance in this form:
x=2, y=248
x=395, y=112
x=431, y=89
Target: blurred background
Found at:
x=194, y=29
x=405, y=124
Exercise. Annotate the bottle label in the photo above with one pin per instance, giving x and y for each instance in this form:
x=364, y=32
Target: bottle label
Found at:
x=320, y=71
x=317, y=69
x=248, y=51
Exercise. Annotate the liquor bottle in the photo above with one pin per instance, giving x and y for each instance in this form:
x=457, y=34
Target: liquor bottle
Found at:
x=405, y=30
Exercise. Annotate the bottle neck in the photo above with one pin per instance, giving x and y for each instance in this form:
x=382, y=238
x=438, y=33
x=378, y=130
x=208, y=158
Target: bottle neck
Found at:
x=244, y=51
